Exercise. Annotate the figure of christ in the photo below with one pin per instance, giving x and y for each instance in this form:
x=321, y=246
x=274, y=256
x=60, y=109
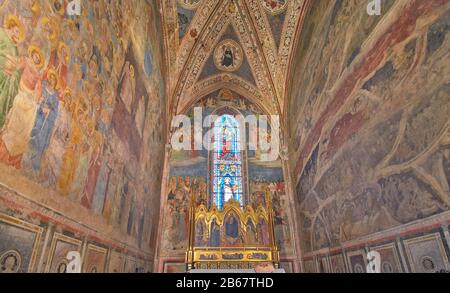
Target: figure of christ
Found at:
x=228, y=57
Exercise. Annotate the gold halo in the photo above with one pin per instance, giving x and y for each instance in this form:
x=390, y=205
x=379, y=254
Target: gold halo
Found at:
x=67, y=92
x=62, y=46
x=51, y=72
x=44, y=21
x=36, y=7
x=66, y=96
x=187, y=6
x=32, y=49
x=71, y=25
x=61, y=10
x=12, y=21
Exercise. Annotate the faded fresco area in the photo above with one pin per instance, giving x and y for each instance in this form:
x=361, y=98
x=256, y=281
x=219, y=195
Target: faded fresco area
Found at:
x=372, y=138
x=81, y=104
x=190, y=173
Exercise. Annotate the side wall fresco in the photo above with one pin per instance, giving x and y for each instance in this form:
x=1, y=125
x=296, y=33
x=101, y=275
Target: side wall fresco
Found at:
x=81, y=102
x=370, y=147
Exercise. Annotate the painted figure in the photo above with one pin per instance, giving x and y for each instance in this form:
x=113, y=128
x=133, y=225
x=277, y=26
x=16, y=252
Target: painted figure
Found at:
x=227, y=190
x=45, y=121
x=54, y=156
x=232, y=227
x=12, y=34
x=215, y=234
x=228, y=57
x=250, y=234
x=20, y=120
x=94, y=170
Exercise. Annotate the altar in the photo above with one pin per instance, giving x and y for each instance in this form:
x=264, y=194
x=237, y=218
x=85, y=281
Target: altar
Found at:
x=234, y=238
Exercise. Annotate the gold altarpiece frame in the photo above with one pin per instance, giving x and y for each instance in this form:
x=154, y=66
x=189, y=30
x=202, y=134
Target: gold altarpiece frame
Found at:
x=252, y=239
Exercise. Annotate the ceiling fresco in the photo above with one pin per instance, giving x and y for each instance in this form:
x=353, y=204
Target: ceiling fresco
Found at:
x=242, y=45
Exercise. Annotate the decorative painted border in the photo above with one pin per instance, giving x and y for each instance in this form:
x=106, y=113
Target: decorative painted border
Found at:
x=63, y=238
x=130, y=259
x=289, y=263
x=350, y=254
x=27, y=227
x=327, y=266
x=189, y=7
x=275, y=11
x=167, y=263
x=436, y=237
x=95, y=248
x=332, y=268
x=393, y=247
x=120, y=256
x=310, y=264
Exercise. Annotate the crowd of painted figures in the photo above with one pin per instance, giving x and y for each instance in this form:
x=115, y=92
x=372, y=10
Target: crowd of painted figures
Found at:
x=58, y=81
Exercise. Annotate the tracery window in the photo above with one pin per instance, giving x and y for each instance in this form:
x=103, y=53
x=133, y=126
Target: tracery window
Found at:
x=227, y=162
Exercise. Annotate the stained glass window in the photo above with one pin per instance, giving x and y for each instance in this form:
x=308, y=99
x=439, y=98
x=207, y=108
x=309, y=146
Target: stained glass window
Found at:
x=227, y=162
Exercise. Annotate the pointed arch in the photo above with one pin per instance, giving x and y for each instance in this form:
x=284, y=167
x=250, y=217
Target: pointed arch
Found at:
x=225, y=81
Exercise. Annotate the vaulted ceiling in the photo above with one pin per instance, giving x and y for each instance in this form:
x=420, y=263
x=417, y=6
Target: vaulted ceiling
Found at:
x=242, y=45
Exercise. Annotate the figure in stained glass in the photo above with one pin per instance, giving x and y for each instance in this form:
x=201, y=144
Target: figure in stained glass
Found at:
x=227, y=162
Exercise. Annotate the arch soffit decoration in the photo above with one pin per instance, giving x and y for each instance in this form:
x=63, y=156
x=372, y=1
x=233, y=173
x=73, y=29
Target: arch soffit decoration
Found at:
x=225, y=81
x=187, y=56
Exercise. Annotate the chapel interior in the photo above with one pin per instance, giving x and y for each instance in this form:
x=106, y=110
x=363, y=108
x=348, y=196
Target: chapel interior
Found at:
x=96, y=156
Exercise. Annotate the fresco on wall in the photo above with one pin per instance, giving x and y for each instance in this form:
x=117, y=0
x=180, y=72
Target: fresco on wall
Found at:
x=95, y=259
x=189, y=173
x=426, y=254
x=375, y=156
x=175, y=268
x=357, y=262
x=116, y=262
x=130, y=265
x=61, y=246
x=342, y=20
x=390, y=259
x=16, y=248
x=79, y=101
x=337, y=264
x=176, y=224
